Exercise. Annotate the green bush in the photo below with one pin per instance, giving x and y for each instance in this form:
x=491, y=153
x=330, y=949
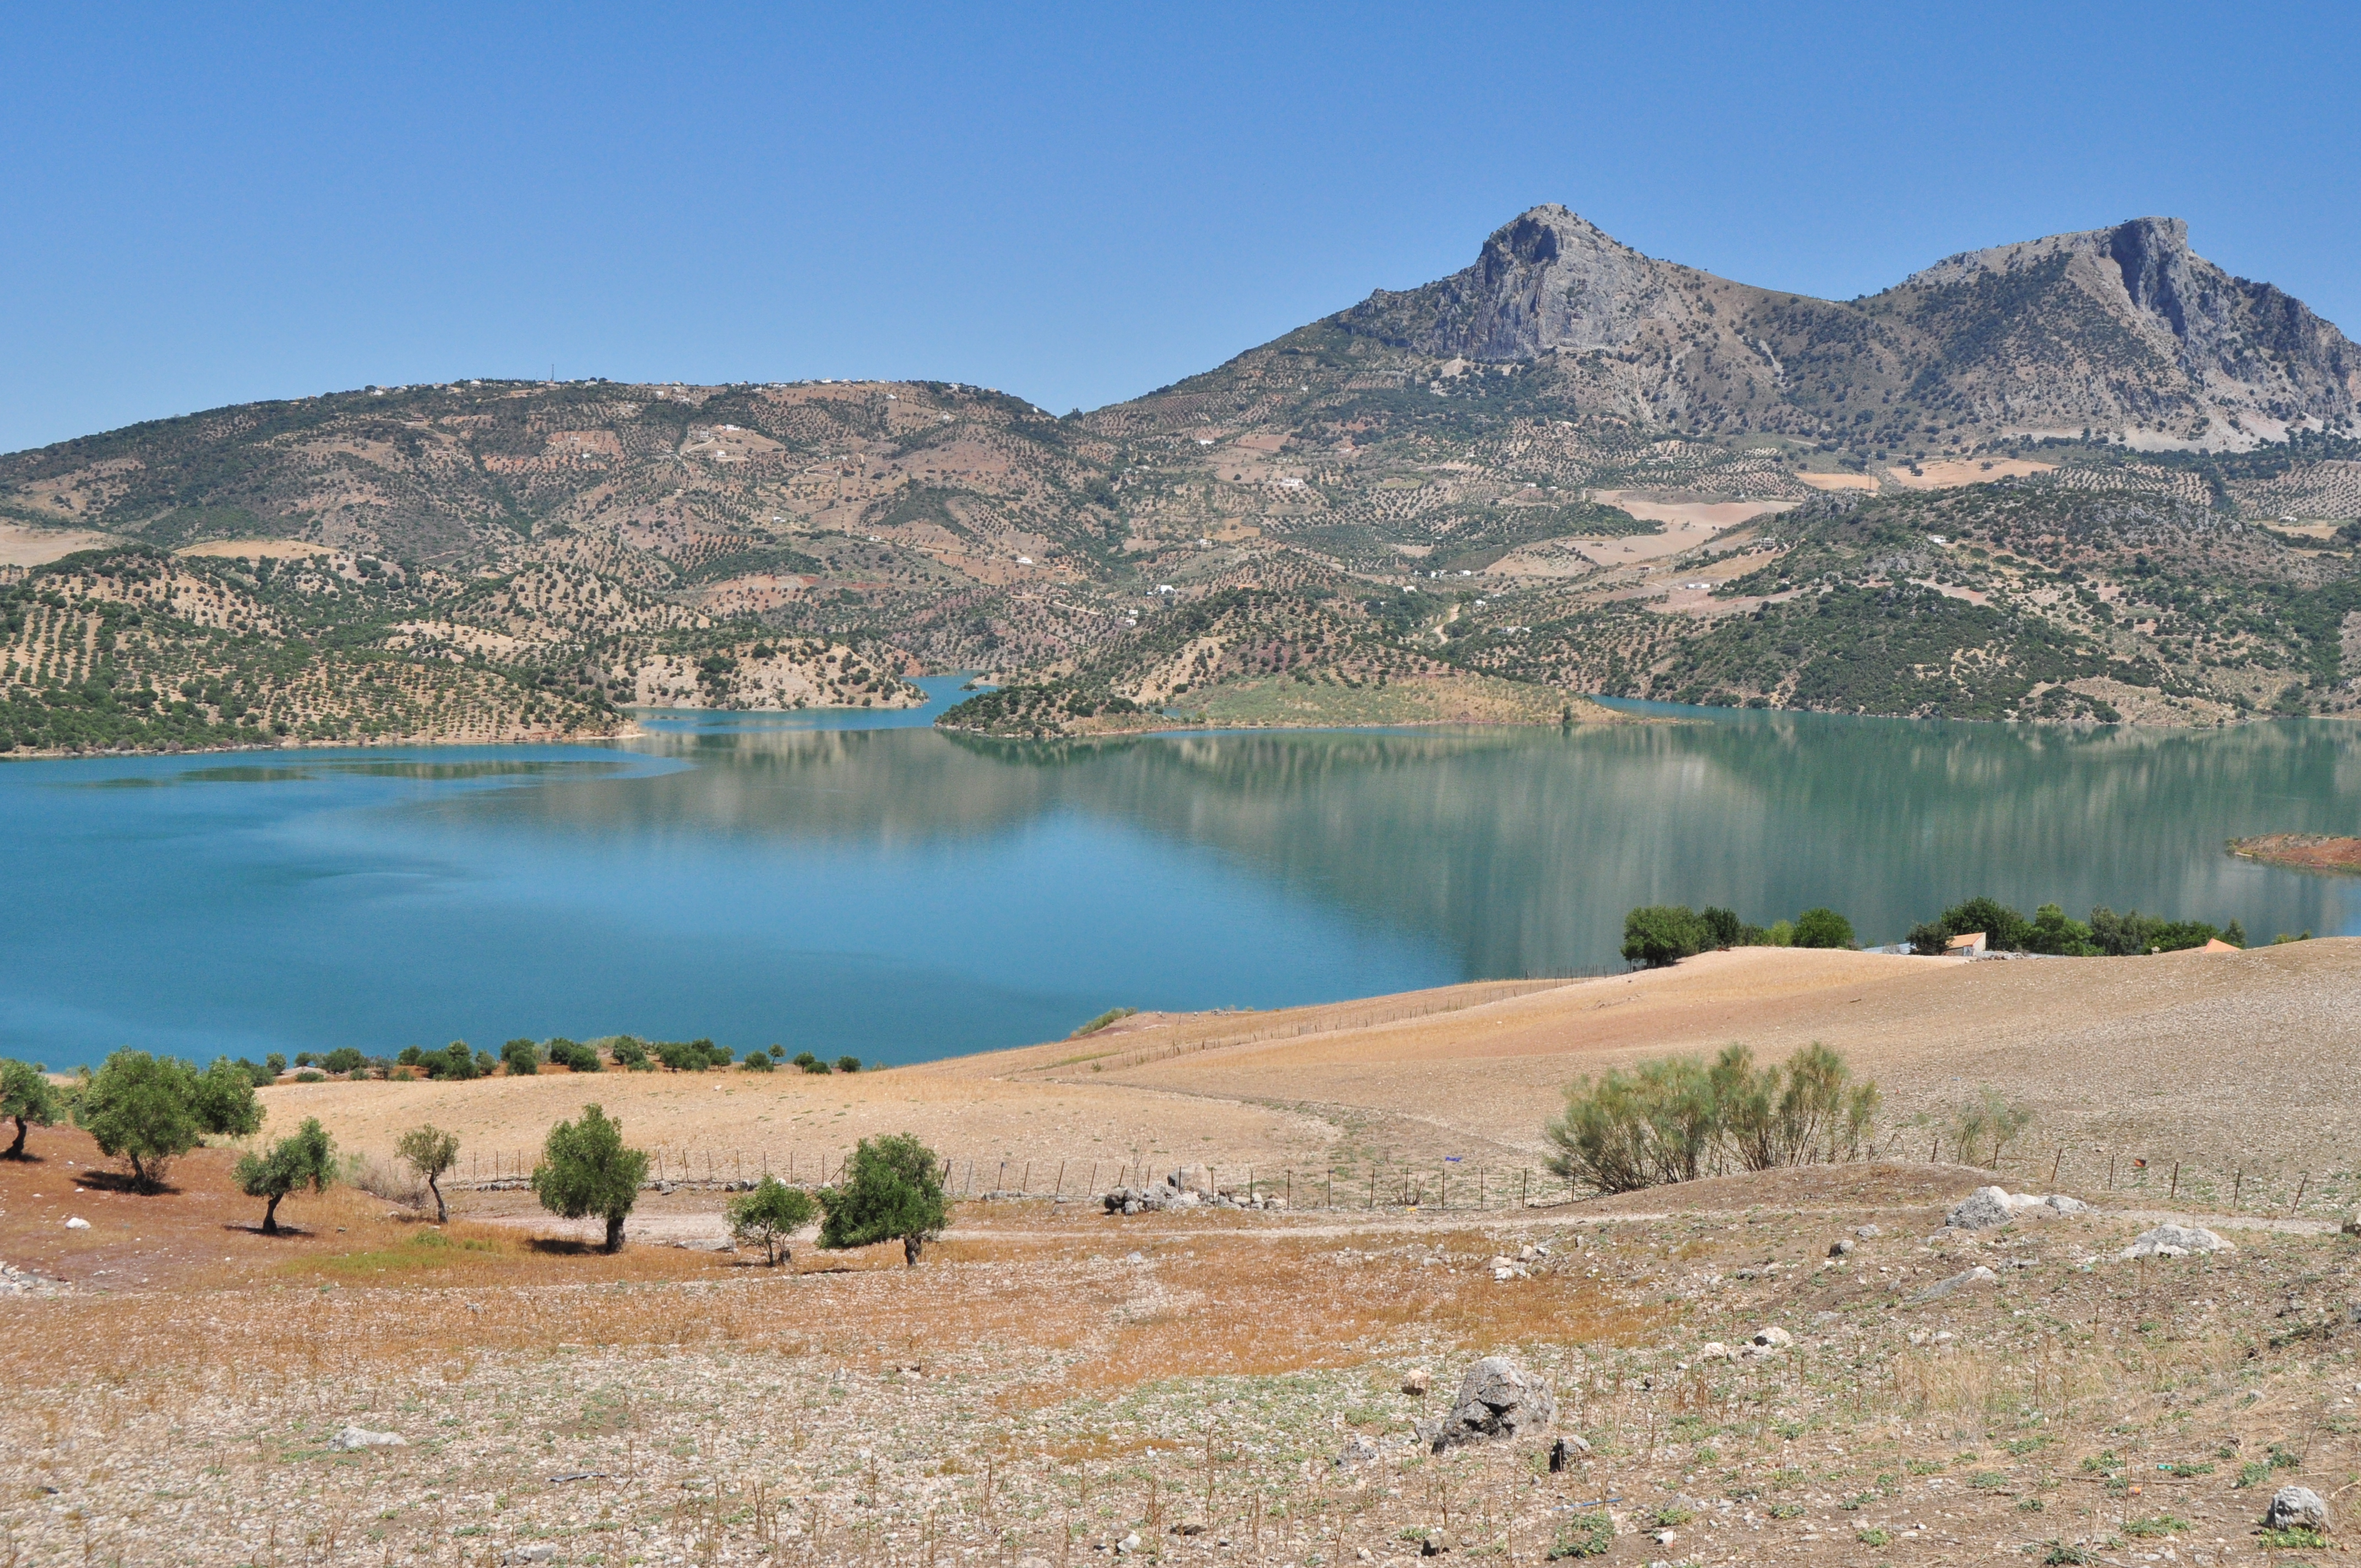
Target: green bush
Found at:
x=1665, y=1120
x=454, y=1061
x=585, y=1170
x=27, y=1093
x=257, y=1074
x=894, y=1193
x=1823, y=929
x=275, y=1063
x=691, y=1055
x=522, y=1058
x=848, y=1064
x=1661, y=933
x=306, y=1159
x=758, y=1062
x=1584, y=1535
x=630, y=1054
x=150, y=1110
x=572, y=1056
x=770, y=1214
x=2053, y=931
x=344, y=1059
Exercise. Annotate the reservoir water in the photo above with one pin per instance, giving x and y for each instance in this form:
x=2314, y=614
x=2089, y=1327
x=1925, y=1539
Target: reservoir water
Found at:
x=869, y=885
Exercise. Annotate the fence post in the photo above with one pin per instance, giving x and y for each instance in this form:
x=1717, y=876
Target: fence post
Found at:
x=1059, y=1191
x=2111, y=1170
x=2237, y=1186
x=2298, y=1194
x=2056, y=1163
x=1026, y=1185
x=2174, y=1196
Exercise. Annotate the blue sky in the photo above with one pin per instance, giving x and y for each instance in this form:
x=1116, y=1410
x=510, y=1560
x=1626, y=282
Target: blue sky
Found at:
x=212, y=205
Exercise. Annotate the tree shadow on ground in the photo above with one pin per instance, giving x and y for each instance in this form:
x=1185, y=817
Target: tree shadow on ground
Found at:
x=124, y=1181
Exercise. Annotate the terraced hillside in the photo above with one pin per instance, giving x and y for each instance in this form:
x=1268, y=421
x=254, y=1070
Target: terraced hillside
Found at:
x=1540, y=478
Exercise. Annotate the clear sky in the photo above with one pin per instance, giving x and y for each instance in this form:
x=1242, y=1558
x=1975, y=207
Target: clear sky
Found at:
x=208, y=204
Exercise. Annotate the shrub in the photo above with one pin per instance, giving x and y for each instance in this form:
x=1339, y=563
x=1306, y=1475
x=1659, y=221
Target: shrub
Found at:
x=1664, y=1121
x=585, y=1170
x=152, y=1110
x=302, y=1059
x=895, y=1193
x=691, y=1055
x=1111, y=1015
x=1722, y=927
x=344, y=1059
x=1584, y=1535
x=522, y=1058
x=629, y=1054
x=430, y=1151
x=848, y=1064
x=306, y=1159
x=778, y=1053
x=574, y=1058
x=757, y=1062
x=311, y=1075
x=275, y=1063
x=1661, y=933
x=809, y=1063
x=258, y=1075
x=411, y=1057
x=1823, y=929
x=770, y=1214
x=27, y=1093
x=454, y=1061
x=1987, y=1117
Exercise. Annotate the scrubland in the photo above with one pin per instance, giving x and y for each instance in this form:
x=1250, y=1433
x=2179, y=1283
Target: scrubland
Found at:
x=1054, y=1381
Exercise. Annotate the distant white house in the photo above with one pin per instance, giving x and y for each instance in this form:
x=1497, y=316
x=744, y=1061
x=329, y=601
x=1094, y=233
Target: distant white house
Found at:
x=1966, y=945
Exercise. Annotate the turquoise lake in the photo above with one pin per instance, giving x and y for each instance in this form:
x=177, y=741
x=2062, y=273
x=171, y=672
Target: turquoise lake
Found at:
x=871, y=885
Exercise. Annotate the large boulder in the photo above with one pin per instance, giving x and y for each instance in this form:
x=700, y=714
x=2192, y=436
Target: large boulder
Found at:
x=1979, y=1275
x=1498, y=1399
x=2296, y=1508
x=2174, y=1241
x=1980, y=1210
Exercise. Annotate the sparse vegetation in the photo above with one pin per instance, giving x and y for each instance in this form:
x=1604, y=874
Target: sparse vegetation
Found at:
x=1668, y=1120
x=430, y=1151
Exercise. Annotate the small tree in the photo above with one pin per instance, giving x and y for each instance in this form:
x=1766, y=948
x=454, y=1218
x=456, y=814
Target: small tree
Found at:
x=895, y=1193
x=522, y=1058
x=1661, y=933
x=152, y=1110
x=770, y=1214
x=26, y=1094
x=306, y=1159
x=586, y=1169
x=848, y=1064
x=430, y=1151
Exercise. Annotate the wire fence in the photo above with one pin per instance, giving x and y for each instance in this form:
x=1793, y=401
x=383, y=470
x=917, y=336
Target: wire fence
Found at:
x=2260, y=1189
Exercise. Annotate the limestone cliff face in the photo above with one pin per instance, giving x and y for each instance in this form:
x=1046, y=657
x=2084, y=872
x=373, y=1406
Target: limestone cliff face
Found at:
x=2123, y=329
x=1547, y=280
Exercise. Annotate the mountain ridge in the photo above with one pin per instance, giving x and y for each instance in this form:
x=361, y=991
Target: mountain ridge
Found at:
x=1572, y=433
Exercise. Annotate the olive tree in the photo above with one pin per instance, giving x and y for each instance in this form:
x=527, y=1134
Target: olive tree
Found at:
x=306, y=1159
x=770, y=1214
x=430, y=1151
x=894, y=1193
x=26, y=1094
x=152, y=1110
x=585, y=1170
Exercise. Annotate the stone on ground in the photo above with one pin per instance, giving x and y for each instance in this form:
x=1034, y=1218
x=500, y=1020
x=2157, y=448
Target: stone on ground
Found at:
x=1498, y=1399
x=2296, y=1508
x=2174, y=1241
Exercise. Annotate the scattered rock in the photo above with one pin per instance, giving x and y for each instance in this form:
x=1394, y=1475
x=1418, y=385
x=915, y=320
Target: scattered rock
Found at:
x=1867, y=1233
x=2173, y=1240
x=1359, y=1448
x=2352, y=1225
x=539, y=1552
x=1128, y=1544
x=357, y=1437
x=2296, y=1508
x=15, y=1281
x=1841, y=1247
x=1417, y=1381
x=1772, y=1339
x=1564, y=1450
x=77, y=1224
x=1979, y=1275
x=1713, y=1350
x=1498, y=1399
x=1989, y=1206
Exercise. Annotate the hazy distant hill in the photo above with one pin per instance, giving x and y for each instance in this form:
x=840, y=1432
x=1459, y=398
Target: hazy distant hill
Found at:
x=1559, y=448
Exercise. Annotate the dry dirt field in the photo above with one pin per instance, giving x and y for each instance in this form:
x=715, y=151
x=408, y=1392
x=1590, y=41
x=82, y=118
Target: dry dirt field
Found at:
x=1054, y=1382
